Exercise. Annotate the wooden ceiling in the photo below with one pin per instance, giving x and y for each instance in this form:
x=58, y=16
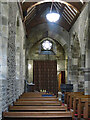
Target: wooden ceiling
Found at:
x=34, y=13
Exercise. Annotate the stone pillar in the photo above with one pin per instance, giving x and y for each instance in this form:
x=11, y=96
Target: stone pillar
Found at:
x=75, y=74
x=82, y=61
x=81, y=73
x=74, y=56
x=11, y=52
x=0, y=65
x=3, y=54
x=87, y=65
x=73, y=70
x=87, y=73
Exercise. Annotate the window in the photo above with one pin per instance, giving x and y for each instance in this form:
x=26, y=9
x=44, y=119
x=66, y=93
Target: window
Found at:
x=47, y=45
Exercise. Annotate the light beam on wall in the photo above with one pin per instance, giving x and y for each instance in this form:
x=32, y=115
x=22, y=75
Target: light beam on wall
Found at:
x=29, y=66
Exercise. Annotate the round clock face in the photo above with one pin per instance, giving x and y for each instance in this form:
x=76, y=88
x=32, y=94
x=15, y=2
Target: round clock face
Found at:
x=47, y=45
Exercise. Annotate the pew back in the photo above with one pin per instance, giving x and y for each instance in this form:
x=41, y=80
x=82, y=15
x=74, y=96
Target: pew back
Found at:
x=37, y=115
x=36, y=108
x=37, y=103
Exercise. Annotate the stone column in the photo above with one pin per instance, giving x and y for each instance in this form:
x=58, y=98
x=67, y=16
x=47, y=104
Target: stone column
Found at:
x=75, y=74
x=73, y=60
x=0, y=65
x=87, y=65
x=87, y=73
x=11, y=52
x=81, y=73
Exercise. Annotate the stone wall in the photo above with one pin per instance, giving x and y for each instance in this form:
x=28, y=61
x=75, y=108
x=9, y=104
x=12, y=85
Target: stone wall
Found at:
x=12, y=55
x=0, y=65
x=77, y=51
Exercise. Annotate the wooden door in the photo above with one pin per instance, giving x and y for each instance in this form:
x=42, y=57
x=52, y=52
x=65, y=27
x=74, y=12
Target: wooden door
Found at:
x=45, y=75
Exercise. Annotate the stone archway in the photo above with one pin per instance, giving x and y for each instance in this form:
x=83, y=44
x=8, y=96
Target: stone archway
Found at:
x=54, y=32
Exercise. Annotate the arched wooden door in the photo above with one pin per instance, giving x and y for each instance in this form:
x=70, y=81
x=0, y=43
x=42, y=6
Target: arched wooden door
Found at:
x=45, y=75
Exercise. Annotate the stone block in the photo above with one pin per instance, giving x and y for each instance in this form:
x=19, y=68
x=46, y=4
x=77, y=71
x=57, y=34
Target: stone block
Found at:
x=87, y=88
x=75, y=61
x=4, y=20
x=75, y=87
x=0, y=41
x=4, y=45
x=0, y=8
x=0, y=30
x=0, y=19
x=5, y=31
x=5, y=9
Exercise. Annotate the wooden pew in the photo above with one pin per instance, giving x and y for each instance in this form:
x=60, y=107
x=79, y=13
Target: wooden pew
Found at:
x=75, y=96
x=37, y=94
x=56, y=115
x=83, y=102
x=65, y=97
x=76, y=101
x=86, y=110
x=38, y=108
x=70, y=96
x=38, y=99
x=29, y=93
x=37, y=103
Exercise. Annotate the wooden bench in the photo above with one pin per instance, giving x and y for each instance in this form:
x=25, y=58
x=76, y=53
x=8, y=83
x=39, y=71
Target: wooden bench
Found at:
x=38, y=99
x=56, y=115
x=38, y=108
x=83, y=102
x=37, y=94
x=86, y=110
x=70, y=97
x=76, y=101
x=37, y=103
x=75, y=96
x=65, y=97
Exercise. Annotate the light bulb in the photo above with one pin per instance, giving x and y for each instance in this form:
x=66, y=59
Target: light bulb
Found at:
x=53, y=17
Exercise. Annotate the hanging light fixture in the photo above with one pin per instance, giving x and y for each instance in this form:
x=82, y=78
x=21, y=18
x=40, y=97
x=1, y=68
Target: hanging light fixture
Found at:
x=53, y=16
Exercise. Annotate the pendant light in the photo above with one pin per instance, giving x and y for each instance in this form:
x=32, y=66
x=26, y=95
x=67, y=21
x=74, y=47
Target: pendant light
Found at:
x=53, y=16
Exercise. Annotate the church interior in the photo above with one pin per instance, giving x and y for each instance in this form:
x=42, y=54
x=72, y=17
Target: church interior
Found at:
x=44, y=60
